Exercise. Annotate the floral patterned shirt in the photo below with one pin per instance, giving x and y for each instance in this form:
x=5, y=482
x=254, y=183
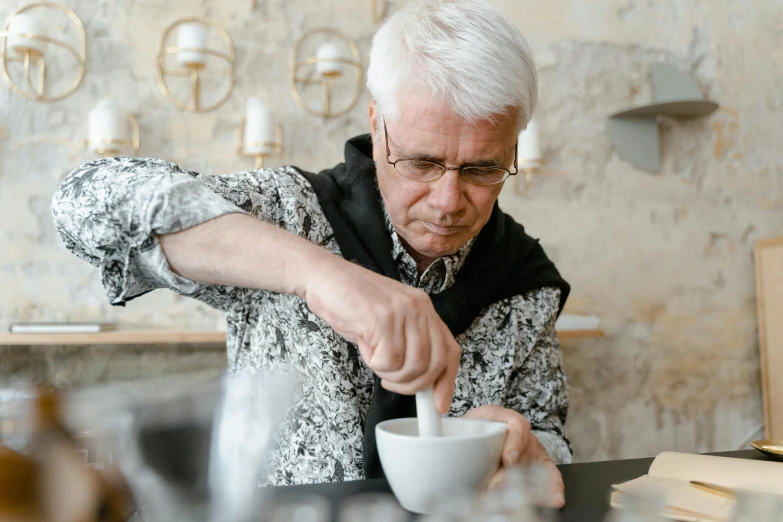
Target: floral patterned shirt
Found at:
x=110, y=212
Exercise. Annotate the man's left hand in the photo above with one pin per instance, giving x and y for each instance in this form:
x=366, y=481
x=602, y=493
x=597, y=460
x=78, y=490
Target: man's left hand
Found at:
x=521, y=447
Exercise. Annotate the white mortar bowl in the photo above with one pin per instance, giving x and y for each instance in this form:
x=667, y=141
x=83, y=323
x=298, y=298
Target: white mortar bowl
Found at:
x=422, y=468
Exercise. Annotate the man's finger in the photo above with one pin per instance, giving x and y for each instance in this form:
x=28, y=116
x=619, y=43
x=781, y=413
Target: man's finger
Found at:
x=518, y=434
x=557, y=499
x=498, y=479
x=517, y=439
x=417, y=358
x=389, y=356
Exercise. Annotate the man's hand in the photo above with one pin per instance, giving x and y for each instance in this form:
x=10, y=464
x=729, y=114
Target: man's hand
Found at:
x=399, y=334
x=521, y=447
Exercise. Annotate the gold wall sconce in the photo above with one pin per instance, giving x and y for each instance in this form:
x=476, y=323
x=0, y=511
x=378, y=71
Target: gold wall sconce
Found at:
x=25, y=41
x=530, y=159
x=191, y=52
x=108, y=130
x=259, y=136
x=329, y=64
x=378, y=10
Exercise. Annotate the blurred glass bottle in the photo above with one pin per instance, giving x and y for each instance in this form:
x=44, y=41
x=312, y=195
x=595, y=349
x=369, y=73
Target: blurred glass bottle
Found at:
x=16, y=416
x=49, y=480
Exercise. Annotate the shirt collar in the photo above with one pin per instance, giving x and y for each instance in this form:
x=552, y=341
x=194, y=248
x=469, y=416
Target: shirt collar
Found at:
x=439, y=276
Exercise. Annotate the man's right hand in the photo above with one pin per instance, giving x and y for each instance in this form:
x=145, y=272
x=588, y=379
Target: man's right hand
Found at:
x=399, y=334
x=396, y=328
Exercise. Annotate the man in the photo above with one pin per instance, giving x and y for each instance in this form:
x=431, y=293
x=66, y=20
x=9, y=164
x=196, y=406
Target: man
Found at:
x=390, y=273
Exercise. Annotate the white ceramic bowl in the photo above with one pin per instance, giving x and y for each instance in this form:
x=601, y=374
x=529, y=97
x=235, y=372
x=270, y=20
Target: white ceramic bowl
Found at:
x=422, y=468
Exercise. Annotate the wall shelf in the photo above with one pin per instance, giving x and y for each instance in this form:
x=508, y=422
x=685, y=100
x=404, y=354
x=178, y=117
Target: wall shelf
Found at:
x=634, y=131
x=168, y=337
x=117, y=337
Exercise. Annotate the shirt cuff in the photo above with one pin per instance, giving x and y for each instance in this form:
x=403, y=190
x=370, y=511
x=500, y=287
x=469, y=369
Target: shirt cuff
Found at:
x=139, y=268
x=555, y=447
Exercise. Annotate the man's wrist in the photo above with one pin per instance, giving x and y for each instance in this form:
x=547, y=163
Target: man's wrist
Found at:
x=313, y=264
x=554, y=446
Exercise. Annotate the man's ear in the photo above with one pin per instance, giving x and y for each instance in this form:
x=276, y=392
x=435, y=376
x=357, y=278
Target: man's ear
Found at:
x=372, y=114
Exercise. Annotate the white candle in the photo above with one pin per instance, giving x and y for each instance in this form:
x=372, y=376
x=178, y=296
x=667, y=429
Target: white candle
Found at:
x=192, y=35
x=26, y=24
x=106, y=125
x=530, y=156
x=259, y=132
x=326, y=54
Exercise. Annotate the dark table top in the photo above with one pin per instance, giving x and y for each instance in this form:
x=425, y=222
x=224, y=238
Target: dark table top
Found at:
x=587, y=485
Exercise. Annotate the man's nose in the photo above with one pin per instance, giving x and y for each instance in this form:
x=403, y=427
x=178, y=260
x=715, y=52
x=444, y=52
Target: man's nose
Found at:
x=446, y=194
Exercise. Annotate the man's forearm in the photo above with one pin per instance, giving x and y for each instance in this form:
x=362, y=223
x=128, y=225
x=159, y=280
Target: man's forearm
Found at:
x=242, y=251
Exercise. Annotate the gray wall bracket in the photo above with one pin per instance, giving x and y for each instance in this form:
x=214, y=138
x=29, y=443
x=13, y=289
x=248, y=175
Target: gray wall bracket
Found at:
x=634, y=132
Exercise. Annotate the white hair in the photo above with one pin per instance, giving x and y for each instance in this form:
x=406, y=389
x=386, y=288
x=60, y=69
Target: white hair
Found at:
x=464, y=52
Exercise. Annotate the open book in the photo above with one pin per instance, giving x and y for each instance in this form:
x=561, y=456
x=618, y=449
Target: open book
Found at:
x=671, y=474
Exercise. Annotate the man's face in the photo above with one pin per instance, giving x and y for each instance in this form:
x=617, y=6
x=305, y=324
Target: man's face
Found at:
x=438, y=217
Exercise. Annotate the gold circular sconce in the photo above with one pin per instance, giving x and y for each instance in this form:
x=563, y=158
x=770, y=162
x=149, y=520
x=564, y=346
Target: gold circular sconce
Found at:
x=25, y=42
x=324, y=69
x=191, y=52
x=378, y=10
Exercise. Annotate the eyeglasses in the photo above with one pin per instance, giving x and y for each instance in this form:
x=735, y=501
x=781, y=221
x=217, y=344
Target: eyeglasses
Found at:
x=424, y=170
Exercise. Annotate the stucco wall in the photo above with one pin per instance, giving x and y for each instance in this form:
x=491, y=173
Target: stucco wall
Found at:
x=664, y=259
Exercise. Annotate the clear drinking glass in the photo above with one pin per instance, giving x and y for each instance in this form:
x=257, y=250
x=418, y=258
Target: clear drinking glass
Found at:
x=377, y=507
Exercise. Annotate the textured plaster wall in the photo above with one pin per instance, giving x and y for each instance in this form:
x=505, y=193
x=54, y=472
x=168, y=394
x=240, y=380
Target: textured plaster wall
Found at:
x=664, y=259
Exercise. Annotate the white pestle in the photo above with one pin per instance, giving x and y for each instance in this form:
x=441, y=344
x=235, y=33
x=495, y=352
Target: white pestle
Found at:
x=430, y=424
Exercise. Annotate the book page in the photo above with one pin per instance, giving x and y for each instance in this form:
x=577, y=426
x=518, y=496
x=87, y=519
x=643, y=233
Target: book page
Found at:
x=681, y=497
x=753, y=475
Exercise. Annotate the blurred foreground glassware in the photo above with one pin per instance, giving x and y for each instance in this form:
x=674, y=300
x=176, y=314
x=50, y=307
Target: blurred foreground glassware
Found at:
x=378, y=507
x=758, y=507
x=193, y=447
x=163, y=442
x=47, y=480
x=310, y=508
x=247, y=419
x=15, y=416
x=524, y=495
x=457, y=506
x=639, y=507
x=529, y=491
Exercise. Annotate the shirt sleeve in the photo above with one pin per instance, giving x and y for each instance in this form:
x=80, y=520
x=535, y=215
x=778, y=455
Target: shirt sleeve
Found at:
x=110, y=211
x=537, y=386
